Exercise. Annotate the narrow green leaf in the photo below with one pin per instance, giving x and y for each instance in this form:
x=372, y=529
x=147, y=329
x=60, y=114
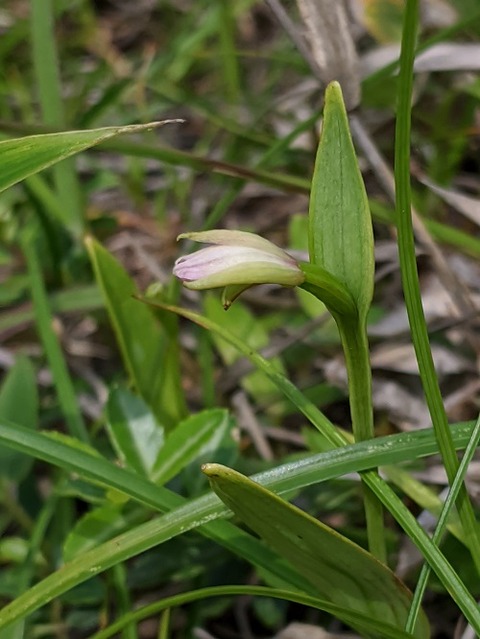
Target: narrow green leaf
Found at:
x=53, y=349
x=443, y=519
x=188, y=440
x=134, y=431
x=352, y=617
x=410, y=277
x=18, y=403
x=22, y=157
x=50, y=93
x=341, y=571
x=340, y=229
x=141, y=338
x=76, y=458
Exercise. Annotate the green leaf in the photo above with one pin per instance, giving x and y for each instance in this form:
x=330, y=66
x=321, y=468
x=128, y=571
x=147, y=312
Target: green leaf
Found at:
x=97, y=526
x=18, y=403
x=141, y=338
x=341, y=571
x=134, y=431
x=189, y=440
x=22, y=157
x=67, y=454
x=375, y=627
x=340, y=228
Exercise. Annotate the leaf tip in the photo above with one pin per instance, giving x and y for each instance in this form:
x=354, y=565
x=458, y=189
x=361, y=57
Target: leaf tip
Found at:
x=212, y=470
x=89, y=243
x=334, y=93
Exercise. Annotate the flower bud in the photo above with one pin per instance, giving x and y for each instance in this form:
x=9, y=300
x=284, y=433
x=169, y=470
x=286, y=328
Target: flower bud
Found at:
x=236, y=260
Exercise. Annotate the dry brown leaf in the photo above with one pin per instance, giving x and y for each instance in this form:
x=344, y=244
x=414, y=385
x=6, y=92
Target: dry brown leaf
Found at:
x=329, y=33
x=447, y=56
x=400, y=358
x=466, y=204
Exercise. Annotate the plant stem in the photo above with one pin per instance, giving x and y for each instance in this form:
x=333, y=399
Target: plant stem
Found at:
x=357, y=360
x=353, y=333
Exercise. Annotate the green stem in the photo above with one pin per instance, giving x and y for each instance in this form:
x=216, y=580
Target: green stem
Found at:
x=353, y=333
x=442, y=523
x=410, y=280
x=357, y=361
x=226, y=32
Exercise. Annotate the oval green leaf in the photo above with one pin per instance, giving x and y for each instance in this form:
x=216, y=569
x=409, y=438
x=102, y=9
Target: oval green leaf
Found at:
x=341, y=571
x=135, y=433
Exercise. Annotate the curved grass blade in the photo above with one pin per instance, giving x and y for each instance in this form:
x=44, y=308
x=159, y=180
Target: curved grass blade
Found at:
x=205, y=509
x=351, y=616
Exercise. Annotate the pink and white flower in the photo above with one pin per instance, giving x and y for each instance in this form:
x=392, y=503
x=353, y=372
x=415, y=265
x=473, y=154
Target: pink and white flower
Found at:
x=237, y=260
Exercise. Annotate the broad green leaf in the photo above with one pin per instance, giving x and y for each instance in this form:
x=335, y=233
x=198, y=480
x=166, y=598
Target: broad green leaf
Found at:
x=340, y=225
x=134, y=431
x=188, y=440
x=18, y=403
x=22, y=157
x=142, y=340
x=341, y=571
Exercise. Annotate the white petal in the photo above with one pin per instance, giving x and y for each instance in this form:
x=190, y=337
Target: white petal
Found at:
x=235, y=238
x=215, y=260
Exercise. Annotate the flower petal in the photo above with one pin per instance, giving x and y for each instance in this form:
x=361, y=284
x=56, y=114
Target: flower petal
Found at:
x=234, y=238
x=236, y=260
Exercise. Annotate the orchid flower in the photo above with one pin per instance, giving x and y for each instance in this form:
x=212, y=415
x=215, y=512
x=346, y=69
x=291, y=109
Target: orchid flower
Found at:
x=236, y=261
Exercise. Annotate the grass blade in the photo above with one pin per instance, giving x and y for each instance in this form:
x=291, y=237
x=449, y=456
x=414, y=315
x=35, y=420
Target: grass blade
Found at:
x=411, y=286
